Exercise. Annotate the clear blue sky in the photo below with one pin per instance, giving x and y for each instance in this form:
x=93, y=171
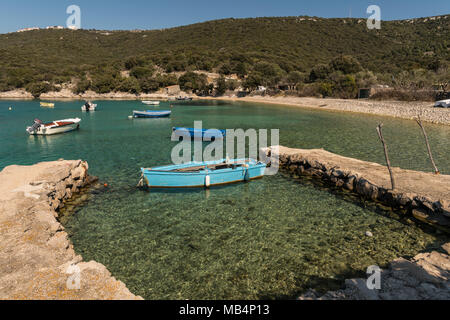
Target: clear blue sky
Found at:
x=151, y=14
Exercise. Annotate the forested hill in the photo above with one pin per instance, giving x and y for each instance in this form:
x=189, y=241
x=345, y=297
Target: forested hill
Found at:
x=225, y=46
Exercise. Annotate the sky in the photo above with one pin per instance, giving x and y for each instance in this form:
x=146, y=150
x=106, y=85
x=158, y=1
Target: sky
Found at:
x=151, y=14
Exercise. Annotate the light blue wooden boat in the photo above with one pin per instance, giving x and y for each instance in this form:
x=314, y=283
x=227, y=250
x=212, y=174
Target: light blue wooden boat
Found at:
x=201, y=133
x=202, y=174
x=151, y=114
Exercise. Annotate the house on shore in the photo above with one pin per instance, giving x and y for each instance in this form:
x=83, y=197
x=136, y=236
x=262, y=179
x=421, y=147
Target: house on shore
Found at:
x=173, y=90
x=365, y=93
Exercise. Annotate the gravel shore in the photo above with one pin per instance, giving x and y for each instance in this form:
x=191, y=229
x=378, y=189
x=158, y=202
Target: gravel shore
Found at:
x=397, y=109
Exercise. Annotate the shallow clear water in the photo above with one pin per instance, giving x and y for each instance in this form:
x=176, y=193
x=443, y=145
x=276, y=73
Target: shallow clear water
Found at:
x=270, y=238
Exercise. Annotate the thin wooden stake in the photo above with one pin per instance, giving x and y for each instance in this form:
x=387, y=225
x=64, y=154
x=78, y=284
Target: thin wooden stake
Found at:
x=419, y=122
x=380, y=135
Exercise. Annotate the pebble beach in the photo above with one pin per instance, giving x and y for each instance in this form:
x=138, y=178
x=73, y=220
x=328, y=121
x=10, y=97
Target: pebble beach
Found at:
x=398, y=109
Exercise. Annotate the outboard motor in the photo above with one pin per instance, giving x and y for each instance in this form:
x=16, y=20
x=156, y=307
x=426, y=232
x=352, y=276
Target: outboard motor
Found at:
x=35, y=127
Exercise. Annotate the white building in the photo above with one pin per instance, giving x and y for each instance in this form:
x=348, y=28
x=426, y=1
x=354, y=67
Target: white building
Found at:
x=28, y=29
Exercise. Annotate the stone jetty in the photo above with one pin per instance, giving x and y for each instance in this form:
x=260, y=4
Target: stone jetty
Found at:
x=425, y=196
x=37, y=260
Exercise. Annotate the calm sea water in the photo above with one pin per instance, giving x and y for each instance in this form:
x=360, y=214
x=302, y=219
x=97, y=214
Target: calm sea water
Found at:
x=270, y=238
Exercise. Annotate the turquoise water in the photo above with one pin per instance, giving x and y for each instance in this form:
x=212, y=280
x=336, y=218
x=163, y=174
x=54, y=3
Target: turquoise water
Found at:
x=270, y=238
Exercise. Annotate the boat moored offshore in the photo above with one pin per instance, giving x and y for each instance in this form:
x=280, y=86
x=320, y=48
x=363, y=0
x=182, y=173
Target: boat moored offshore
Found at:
x=180, y=98
x=151, y=103
x=203, y=174
x=152, y=114
x=55, y=127
x=89, y=106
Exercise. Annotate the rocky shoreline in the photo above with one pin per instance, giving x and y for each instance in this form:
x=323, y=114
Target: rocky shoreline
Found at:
x=65, y=94
x=396, y=109
x=37, y=260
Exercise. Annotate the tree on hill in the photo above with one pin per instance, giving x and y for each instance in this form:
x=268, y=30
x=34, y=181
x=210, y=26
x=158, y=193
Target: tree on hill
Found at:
x=221, y=86
x=192, y=81
x=345, y=64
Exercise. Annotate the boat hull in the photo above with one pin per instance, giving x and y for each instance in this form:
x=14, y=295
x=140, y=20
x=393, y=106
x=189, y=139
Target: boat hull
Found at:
x=159, y=178
x=151, y=103
x=151, y=114
x=51, y=130
x=442, y=104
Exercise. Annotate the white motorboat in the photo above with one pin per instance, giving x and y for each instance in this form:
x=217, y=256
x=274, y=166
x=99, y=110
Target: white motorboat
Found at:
x=55, y=127
x=442, y=104
x=151, y=103
x=89, y=106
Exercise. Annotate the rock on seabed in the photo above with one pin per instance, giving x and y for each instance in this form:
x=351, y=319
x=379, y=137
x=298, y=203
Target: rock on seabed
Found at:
x=37, y=260
x=425, y=195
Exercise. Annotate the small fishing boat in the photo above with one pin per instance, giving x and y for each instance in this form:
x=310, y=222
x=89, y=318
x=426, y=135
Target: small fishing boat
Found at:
x=55, y=127
x=152, y=114
x=204, y=174
x=209, y=134
x=151, y=103
x=442, y=104
x=89, y=106
x=47, y=104
x=184, y=98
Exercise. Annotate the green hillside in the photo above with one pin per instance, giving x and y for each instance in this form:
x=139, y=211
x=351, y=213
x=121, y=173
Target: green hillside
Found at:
x=270, y=47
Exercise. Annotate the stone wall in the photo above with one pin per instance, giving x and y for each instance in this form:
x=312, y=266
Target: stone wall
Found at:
x=425, y=196
x=37, y=260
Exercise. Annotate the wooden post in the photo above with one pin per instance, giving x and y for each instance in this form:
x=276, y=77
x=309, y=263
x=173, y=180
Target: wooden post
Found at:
x=419, y=122
x=380, y=135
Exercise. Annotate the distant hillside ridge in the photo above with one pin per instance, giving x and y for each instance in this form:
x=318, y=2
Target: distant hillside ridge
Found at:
x=228, y=46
